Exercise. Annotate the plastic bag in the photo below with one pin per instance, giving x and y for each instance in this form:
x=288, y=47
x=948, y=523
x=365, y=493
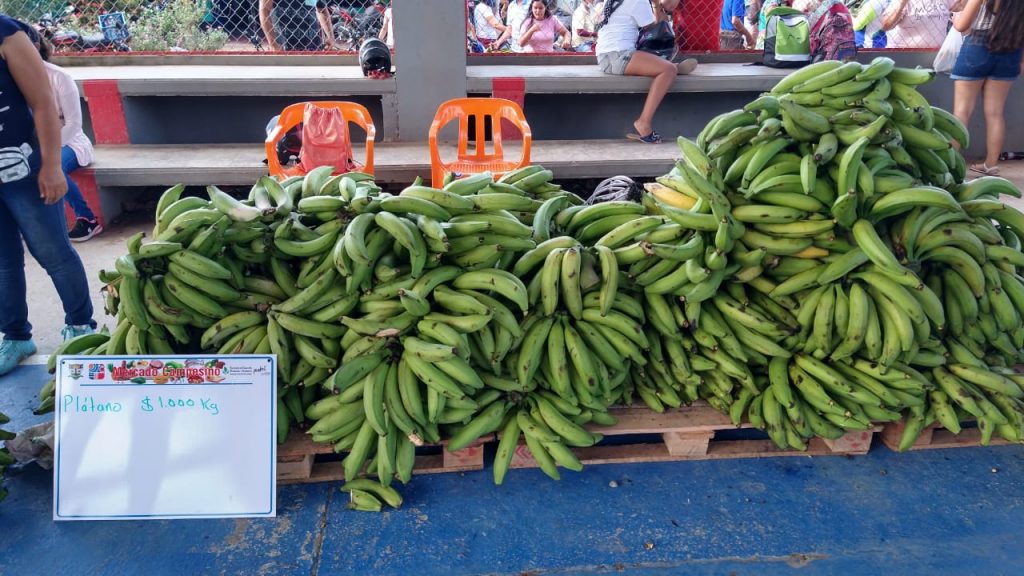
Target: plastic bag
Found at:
x=950, y=49
x=324, y=139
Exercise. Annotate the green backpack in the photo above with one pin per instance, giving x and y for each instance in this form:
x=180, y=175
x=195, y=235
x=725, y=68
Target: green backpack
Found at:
x=787, y=38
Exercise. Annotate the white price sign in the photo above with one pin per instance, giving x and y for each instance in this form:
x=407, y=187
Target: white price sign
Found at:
x=165, y=437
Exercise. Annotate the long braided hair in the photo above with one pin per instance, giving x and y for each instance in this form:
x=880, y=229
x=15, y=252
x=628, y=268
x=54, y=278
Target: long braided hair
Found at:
x=1007, y=32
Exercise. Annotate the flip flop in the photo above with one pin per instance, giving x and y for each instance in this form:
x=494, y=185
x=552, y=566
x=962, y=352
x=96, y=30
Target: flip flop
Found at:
x=652, y=138
x=983, y=169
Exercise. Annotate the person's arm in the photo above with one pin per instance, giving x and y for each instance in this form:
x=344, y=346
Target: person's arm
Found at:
x=488, y=15
x=324, y=18
x=893, y=14
x=30, y=76
x=495, y=23
x=69, y=105
x=383, y=34
x=504, y=36
x=267, y=25
x=964, y=19
x=565, y=34
x=737, y=23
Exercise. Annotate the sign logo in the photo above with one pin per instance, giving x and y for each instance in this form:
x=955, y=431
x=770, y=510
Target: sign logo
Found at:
x=97, y=372
x=75, y=370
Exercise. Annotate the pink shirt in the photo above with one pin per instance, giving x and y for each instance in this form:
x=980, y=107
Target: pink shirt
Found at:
x=544, y=38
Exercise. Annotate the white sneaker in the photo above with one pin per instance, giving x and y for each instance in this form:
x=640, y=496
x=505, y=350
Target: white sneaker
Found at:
x=686, y=66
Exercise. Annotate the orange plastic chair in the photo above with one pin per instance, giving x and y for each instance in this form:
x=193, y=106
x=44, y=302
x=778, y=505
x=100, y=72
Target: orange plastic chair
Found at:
x=479, y=160
x=293, y=115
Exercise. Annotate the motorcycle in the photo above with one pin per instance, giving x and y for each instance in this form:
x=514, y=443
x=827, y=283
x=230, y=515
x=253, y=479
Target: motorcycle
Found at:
x=113, y=39
x=350, y=30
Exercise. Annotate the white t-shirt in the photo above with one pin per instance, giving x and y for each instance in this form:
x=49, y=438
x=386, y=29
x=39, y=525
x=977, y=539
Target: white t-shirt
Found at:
x=483, y=28
x=69, y=108
x=623, y=27
x=391, y=29
x=517, y=13
x=923, y=25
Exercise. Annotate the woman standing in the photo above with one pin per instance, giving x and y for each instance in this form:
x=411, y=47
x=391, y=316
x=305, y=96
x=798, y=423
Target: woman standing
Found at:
x=988, y=64
x=76, y=149
x=31, y=187
x=617, y=55
x=488, y=27
x=540, y=30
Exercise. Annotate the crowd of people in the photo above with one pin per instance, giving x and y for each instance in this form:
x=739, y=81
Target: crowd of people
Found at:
x=532, y=26
x=571, y=25
x=877, y=23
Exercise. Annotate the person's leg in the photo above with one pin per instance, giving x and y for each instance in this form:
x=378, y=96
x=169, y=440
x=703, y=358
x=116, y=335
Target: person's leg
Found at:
x=69, y=163
x=13, y=306
x=663, y=72
x=42, y=226
x=995, y=95
x=17, y=343
x=965, y=96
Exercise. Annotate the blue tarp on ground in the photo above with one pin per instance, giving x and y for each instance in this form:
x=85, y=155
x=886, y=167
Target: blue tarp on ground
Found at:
x=932, y=512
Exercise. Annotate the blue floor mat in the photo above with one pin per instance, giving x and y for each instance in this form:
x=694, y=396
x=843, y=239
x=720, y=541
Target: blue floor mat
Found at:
x=931, y=512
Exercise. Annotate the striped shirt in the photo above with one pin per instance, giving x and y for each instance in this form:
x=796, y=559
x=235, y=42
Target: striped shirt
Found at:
x=984, y=19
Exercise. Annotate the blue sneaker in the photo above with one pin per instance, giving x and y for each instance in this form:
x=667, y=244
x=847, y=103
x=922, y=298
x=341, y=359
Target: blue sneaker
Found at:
x=69, y=332
x=12, y=352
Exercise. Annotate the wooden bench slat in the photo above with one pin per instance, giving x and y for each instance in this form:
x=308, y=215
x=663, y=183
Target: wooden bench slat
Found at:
x=715, y=77
x=236, y=80
x=242, y=164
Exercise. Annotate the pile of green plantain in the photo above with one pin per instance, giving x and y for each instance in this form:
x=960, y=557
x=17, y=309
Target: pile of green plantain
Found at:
x=826, y=269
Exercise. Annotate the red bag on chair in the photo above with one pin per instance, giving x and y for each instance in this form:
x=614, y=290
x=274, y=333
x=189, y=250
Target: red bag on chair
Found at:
x=324, y=140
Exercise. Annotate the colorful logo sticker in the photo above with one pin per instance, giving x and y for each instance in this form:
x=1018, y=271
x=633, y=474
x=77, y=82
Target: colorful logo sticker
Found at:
x=97, y=372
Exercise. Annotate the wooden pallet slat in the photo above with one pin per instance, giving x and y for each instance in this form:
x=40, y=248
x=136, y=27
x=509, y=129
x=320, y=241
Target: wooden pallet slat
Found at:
x=936, y=437
x=692, y=433
x=302, y=461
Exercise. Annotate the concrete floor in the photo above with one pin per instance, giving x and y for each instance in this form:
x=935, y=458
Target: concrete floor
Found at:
x=931, y=512
x=48, y=318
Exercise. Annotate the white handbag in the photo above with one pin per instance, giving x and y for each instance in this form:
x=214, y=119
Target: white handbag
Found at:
x=950, y=49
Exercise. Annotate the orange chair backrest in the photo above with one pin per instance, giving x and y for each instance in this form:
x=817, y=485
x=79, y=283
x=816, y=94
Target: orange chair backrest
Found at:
x=479, y=109
x=293, y=115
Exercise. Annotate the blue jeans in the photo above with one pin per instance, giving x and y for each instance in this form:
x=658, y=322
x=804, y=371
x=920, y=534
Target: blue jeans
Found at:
x=23, y=214
x=69, y=163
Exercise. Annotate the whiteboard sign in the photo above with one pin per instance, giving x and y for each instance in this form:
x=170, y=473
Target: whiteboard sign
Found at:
x=165, y=437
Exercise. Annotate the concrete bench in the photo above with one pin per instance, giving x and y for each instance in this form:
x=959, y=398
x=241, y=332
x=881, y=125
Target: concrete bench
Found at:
x=207, y=80
x=579, y=79
x=120, y=167
x=106, y=88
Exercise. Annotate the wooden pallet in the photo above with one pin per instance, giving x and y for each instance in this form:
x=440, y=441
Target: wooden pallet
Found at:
x=935, y=436
x=692, y=433
x=302, y=461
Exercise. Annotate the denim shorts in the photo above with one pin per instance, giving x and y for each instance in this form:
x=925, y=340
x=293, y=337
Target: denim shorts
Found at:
x=975, y=62
x=614, y=62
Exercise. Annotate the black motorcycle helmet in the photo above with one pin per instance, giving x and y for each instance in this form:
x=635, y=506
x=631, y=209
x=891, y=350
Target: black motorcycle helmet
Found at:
x=374, y=57
x=656, y=41
x=616, y=188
